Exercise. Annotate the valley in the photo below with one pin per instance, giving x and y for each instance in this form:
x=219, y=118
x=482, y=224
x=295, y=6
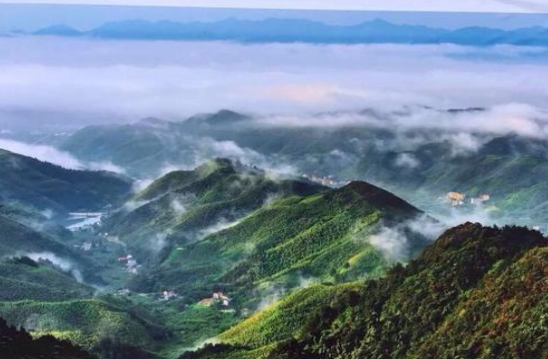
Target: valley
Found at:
x=306, y=180
x=227, y=251
x=191, y=254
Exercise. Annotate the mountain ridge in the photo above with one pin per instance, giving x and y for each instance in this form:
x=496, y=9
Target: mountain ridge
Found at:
x=45, y=186
x=475, y=292
x=298, y=30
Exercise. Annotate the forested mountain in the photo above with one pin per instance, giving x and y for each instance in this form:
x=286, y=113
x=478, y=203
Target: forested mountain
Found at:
x=288, y=257
x=305, y=182
x=185, y=206
x=477, y=292
x=43, y=186
x=230, y=224
x=142, y=149
x=306, y=235
x=222, y=227
x=324, y=236
x=16, y=237
x=24, y=279
x=50, y=275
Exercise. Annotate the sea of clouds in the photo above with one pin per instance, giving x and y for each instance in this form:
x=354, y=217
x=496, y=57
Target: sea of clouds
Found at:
x=93, y=81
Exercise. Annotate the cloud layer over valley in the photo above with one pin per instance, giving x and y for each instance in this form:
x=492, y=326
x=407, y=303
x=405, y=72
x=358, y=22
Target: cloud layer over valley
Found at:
x=109, y=81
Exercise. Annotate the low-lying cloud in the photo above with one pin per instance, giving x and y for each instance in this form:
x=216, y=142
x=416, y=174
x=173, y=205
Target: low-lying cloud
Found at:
x=392, y=243
x=57, y=157
x=516, y=118
x=63, y=264
x=220, y=225
x=42, y=153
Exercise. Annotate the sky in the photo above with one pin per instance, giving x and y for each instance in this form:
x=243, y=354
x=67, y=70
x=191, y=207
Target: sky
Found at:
x=527, y=6
x=28, y=17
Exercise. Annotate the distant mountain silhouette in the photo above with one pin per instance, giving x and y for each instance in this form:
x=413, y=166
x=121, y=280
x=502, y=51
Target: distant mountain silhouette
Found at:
x=296, y=30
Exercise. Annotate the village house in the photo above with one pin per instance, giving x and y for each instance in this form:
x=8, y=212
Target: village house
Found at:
x=125, y=258
x=216, y=297
x=123, y=292
x=131, y=263
x=328, y=181
x=456, y=198
x=480, y=199
x=168, y=294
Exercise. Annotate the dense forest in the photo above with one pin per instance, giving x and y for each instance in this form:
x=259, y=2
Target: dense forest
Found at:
x=477, y=292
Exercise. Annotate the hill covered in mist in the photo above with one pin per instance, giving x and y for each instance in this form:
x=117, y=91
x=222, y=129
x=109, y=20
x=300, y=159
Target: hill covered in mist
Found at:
x=141, y=281
x=418, y=153
x=42, y=186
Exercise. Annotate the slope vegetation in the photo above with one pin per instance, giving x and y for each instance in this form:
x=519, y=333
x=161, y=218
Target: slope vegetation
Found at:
x=185, y=206
x=287, y=243
x=477, y=292
x=44, y=186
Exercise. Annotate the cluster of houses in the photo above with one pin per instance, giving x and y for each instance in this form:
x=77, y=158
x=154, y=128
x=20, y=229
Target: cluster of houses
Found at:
x=328, y=181
x=216, y=298
x=86, y=246
x=123, y=292
x=457, y=199
x=130, y=263
x=168, y=295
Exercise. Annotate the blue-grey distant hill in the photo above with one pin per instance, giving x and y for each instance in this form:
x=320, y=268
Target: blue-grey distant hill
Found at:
x=287, y=30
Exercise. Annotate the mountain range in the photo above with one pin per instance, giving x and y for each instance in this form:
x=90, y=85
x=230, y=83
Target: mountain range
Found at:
x=306, y=271
x=417, y=167
x=221, y=227
x=299, y=30
x=272, y=264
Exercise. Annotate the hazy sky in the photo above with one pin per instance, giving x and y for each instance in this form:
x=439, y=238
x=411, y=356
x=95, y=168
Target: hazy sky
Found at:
x=29, y=17
x=415, y=5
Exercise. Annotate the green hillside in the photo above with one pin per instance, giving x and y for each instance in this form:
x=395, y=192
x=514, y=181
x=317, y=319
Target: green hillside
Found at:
x=44, y=239
x=88, y=323
x=185, y=206
x=322, y=237
x=16, y=237
x=285, y=318
x=44, y=186
x=22, y=278
x=477, y=292
x=276, y=236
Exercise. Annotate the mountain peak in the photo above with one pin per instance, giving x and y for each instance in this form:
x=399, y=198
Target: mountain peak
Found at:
x=374, y=195
x=226, y=116
x=509, y=239
x=59, y=30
